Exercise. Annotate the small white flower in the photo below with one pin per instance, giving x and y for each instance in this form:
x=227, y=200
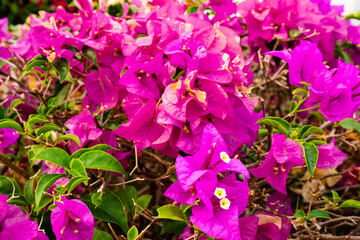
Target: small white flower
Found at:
x=220, y=193
x=225, y=157
x=225, y=203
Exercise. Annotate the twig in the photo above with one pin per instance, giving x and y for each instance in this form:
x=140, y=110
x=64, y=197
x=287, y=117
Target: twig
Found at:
x=123, y=183
x=136, y=161
x=14, y=167
x=145, y=229
x=163, y=162
x=113, y=232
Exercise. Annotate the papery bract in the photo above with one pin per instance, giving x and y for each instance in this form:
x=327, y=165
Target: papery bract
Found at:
x=83, y=126
x=283, y=155
x=329, y=156
x=7, y=137
x=72, y=219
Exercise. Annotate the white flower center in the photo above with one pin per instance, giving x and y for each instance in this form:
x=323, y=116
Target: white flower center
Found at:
x=220, y=193
x=225, y=157
x=225, y=203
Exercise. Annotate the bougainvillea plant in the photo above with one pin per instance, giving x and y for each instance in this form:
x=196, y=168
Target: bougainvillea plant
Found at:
x=171, y=119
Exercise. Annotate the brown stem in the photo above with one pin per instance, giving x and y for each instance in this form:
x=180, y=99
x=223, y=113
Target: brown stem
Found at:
x=9, y=164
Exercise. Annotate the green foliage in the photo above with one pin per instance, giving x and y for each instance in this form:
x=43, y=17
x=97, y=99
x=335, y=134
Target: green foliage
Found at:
x=172, y=212
x=132, y=233
x=110, y=210
x=350, y=123
x=311, y=156
x=97, y=159
x=62, y=66
x=350, y=203
x=278, y=123
x=45, y=182
x=101, y=235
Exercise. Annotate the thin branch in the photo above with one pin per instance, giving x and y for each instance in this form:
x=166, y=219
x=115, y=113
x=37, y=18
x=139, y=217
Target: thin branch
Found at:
x=9, y=164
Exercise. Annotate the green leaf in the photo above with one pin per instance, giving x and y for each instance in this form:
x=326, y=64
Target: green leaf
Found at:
x=172, y=212
x=96, y=199
x=316, y=141
x=317, y=213
x=97, y=159
x=192, y=9
x=35, y=149
x=299, y=213
x=74, y=182
x=46, y=128
x=101, y=235
x=335, y=197
x=8, y=186
x=294, y=33
x=309, y=130
x=350, y=203
x=282, y=125
x=77, y=168
x=184, y=208
x=69, y=137
x=7, y=123
x=355, y=15
x=350, y=123
x=45, y=182
x=143, y=201
x=80, y=152
x=56, y=156
x=15, y=103
x=126, y=195
x=110, y=209
x=39, y=61
x=116, y=10
x=172, y=226
x=300, y=90
x=29, y=192
x=132, y=233
x=62, y=67
x=89, y=54
x=311, y=157
x=34, y=119
x=60, y=96
x=293, y=105
x=326, y=200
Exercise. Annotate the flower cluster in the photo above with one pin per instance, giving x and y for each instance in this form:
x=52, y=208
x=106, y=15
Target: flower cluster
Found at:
x=313, y=19
x=205, y=181
x=335, y=90
x=286, y=153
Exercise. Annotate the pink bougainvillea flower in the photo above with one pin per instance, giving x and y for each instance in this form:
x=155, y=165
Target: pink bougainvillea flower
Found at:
x=221, y=200
x=220, y=207
x=272, y=227
x=305, y=62
x=283, y=155
x=280, y=203
x=24, y=230
x=100, y=90
x=72, y=219
x=142, y=128
x=329, y=156
x=4, y=24
x=7, y=137
x=336, y=91
x=83, y=126
x=212, y=156
x=14, y=224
